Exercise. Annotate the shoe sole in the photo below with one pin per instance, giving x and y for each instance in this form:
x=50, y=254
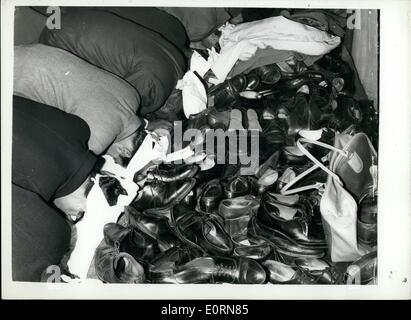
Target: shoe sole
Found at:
x=316, y=252
x=302, y=244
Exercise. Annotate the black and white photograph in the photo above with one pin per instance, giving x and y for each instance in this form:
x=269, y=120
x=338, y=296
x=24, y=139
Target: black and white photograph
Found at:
x=228, y=145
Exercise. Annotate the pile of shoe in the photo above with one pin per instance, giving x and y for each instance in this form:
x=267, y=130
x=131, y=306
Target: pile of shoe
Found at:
x=225, y=222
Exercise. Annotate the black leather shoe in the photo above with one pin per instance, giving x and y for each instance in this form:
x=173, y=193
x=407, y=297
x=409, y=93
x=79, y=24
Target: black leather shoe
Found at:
x=175, y=256
x=226, y=94
x=201, y=231
x=156, y=226
x=138, y=244
x=158, y=195
x=285, y=248
x=172, y=173
x=256, y=252
x=274, y=131
x=236, y=270
x=269, y=74
x=209, y=195
x=296, y=229
x=236, y=187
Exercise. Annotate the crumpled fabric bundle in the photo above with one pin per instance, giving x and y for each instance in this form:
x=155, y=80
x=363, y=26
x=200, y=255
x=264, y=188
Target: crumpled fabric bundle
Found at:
x=242, y=41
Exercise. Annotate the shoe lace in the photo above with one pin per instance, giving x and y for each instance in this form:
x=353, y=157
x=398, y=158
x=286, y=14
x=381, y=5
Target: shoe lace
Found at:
x=224, y=271
x=306, y=212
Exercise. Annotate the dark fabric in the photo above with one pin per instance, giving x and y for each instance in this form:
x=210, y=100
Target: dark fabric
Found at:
x=50, y=153
x=156, y=20
x=144, y=58
x=322, y=20
x=199, y=22
x=40, y=235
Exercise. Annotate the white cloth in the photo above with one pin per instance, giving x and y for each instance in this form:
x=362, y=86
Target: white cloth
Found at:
x=240, y=42
x=199, y=64
x=194, y=94
x=89, y=230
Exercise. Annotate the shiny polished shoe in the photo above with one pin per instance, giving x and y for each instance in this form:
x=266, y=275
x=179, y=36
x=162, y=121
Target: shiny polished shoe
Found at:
x=175, y=256
x=226, y=94
x=173, y=173
x=158, y=195
x=237, y=207
x=274, y=131
x=256, y=252
x=201, y=231
x=236, y=187
x=288, y=249
x=235, y=270
x=209, y=195
x=293, y=223
x=131, y=240
x=113, y=266
x=159, y=228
